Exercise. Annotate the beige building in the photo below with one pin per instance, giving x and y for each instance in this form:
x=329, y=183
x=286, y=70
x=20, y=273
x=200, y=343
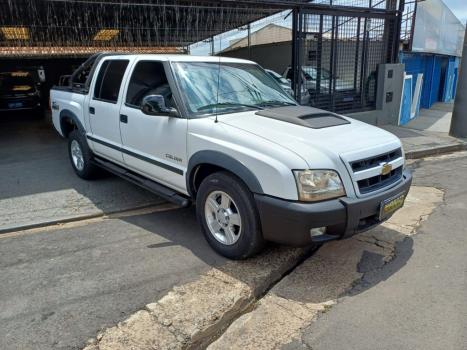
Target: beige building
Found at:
x=271, y=47
x=272, y=33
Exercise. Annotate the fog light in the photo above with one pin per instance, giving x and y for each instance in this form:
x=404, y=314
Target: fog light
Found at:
x=317, y=231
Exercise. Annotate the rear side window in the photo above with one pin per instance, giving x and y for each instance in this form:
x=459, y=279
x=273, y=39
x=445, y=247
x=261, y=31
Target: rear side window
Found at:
x=109, y=80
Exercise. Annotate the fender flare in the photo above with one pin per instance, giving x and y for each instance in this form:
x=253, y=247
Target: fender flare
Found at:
x=67, y=114
x=225, y=161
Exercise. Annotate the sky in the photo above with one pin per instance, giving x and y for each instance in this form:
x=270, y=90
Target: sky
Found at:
x=459, y=7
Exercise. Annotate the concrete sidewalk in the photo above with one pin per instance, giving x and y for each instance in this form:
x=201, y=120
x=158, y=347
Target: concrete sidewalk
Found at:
x=436, y=119
x=427, y=134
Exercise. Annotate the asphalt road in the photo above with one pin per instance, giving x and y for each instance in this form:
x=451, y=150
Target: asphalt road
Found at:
x=421, y=301
x=38, y=183
x=59, y=288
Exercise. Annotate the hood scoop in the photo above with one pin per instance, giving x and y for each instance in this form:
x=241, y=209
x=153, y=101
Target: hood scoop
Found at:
x=305, y=116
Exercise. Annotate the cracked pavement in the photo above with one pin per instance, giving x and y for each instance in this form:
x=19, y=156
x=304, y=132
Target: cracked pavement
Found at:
x=418, y=299
x=195, y=314
x=337, y=270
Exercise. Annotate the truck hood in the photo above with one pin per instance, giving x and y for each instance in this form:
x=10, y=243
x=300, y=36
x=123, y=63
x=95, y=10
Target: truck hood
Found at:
x=330, y=135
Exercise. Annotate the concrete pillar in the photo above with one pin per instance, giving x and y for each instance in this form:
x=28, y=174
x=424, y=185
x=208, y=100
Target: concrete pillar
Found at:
x=459, y=114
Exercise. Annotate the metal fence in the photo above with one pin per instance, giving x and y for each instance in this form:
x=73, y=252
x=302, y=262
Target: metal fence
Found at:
x=336, y=55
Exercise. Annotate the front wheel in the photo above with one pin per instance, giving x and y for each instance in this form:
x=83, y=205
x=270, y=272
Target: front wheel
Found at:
x=227, y=213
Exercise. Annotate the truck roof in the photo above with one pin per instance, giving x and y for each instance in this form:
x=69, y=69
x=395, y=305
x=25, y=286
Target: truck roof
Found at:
x=182, y=58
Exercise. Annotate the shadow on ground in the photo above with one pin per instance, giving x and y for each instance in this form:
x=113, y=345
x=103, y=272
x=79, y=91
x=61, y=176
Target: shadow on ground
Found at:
x=332, y=270
x=39, y=185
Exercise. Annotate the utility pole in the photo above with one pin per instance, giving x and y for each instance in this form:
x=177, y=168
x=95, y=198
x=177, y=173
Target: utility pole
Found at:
x=459, y=114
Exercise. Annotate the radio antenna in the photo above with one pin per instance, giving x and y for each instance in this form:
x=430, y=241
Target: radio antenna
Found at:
x=218, y=85
x=219, y=63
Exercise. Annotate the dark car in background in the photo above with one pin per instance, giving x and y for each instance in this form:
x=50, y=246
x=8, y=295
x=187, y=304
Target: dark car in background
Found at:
x=19, y=91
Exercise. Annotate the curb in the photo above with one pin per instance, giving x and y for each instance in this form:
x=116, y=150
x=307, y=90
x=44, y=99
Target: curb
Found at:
x=70, y=219
x=193, y=315
x=433, y=151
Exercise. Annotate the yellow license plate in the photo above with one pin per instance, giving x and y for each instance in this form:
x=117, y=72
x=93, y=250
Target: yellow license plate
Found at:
x=390, y=205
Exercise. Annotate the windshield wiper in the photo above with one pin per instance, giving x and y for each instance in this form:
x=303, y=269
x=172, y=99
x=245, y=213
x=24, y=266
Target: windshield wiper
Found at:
x=227, y=104
x=275, y=103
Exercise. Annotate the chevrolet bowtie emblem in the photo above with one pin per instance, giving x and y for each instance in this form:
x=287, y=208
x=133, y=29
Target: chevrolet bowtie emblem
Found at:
x=386, y=169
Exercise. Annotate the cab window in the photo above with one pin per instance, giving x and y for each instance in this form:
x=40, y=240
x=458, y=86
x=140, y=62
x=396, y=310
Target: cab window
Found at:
x=148, y=78
x=109, y=80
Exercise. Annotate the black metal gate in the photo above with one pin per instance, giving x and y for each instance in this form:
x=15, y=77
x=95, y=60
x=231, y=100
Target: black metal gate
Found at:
x=337, y=53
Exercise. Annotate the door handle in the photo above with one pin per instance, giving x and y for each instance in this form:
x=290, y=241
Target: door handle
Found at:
x=123, y=118
x=92, y=110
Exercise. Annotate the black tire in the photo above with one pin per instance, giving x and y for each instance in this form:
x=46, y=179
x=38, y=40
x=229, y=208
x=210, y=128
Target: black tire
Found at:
x=250, y=240
x=89, y=170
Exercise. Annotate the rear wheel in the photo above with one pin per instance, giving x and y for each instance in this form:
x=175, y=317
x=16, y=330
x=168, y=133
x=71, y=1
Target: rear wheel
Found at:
x=228, y=216
x=81, y=156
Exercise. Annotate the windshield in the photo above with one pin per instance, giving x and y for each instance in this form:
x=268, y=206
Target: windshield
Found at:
x=210, y=87
x=11, y=83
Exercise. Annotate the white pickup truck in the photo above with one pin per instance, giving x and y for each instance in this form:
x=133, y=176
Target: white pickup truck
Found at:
x=222, y=133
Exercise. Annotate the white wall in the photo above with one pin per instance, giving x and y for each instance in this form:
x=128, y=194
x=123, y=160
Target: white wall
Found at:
x=437, y=29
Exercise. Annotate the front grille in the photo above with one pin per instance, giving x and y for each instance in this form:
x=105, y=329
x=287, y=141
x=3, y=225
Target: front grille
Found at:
x=375, y=179
x=380, y=181
x=372, y=162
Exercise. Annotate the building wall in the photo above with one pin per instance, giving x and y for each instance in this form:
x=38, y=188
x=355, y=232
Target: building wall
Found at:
x=275, y=56
x=272, y=33
x=348, y=60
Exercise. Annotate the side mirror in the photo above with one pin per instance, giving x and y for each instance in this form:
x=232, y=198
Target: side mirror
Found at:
x=155, y=105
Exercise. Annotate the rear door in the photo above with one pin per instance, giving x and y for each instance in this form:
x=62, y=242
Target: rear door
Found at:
x=103, y=109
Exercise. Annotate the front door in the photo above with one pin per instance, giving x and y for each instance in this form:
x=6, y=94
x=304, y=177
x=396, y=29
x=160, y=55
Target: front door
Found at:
x=104, y=108
x=154, y=146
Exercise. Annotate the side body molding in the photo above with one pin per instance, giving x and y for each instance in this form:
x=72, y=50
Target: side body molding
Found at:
x=224, y=161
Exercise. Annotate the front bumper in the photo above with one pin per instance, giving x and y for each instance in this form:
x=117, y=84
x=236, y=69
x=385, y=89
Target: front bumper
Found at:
x=289, y=222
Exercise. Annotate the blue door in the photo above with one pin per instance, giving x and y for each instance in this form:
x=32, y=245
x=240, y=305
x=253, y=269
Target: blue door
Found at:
x=448, y=91
x=406, y=103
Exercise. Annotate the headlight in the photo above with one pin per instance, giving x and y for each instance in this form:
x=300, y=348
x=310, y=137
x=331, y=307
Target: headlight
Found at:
x=318, y=185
